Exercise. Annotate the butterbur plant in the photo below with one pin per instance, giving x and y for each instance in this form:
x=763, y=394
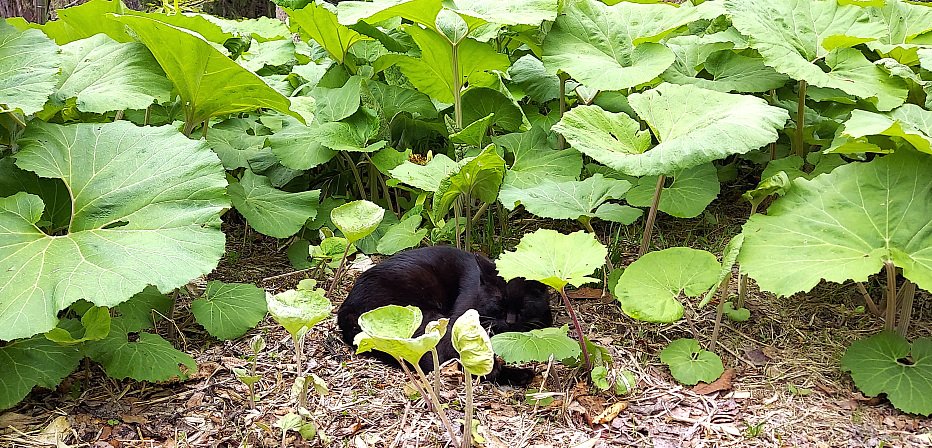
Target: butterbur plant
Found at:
x=390, y=329
x=472, y=342
x=356, y=220
x=249, y=377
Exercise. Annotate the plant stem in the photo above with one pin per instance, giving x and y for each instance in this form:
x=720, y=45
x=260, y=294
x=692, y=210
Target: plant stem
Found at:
x=481, y=211
x=906, y=307
x=457, y=89
x=148, y=116
x=651, y=216
x=467, y=212
x=561, y=140
x=579, y=332
x=188, y=127
x=435, y=399
x=339, y=272
x=871, y=306
x=890, y=320
x=467, y=419
x=691, y=324
x=608, y=260
x=719, y=311
x=436, y=356
x=800, y=121
x=743, y=277
x=352, y=167
x=204, y=129
x=456, y=223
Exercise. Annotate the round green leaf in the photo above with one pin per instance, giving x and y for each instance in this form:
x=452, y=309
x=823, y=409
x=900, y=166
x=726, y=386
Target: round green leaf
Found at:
x=95, y=323
x=229, y=310
x=691, y=191
x=535, y=345
x=568, y=199
x=612, y=47
x=451, y=26
x=736, y=314
x=479, y=178
x=479, y=102
x=885, y=363
x=807, y=236
x=604, y=136
x=907, y=122
x=534, y=163
x=425, y=177
x=690, y=364
x=389, y=329
x=299, y=308
x=148, y=215
x=357, y=219
x=271, y=211
x=471, y=341
x=553, y=258
x=29, y=64
x=650, y=287
x=402, y=236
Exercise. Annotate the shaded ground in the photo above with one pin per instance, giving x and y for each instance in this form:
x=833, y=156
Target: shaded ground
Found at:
x=787, y=388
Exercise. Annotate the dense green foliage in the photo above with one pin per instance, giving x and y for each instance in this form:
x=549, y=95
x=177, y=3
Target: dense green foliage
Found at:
x=126, y=136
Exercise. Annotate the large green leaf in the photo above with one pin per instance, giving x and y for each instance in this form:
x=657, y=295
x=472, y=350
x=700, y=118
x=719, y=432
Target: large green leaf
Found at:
x=903, y=22
x=146, y=211
x=613, y=47
x=417, y=11
x=146, y=358
x=796, y=36
x=297, y=147
x=691, y=137
x=143, y=310
x=885, y=363
x=83, y=21
x=535, y=345
x=209, y=82
x=650, y=287
x=723, y=70
x=843, y=225
x=513, y=12
x=392, y=100
x=357, y=219
x=539, y=84
x=28, y=363
x=479, y=178
x=57, y=213
x=269, y=210
x=236, y=141
x=229, y=310
x=106, y=75
x=402, y=236
x=907, y=122
x=322, y=26
x=471, y=341
x=691, y=191
x=300, y=308
x=29, y=64
x=479, y=102
x=572, y=199
x=553, y=258
x=390, y=329
x=690, y=364
x=432, y=73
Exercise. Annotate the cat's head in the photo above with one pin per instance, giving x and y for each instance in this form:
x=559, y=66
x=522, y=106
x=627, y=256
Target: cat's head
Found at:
x=524, y=306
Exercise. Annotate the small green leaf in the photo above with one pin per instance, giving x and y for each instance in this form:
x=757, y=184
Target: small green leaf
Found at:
x=908, y=122
x=737, y=315
x=886, y=363
x=143, y=310
x=271, y=211
x=426, y=177
x=301, y=308
x=535, y=345
x=390, y=329
x=451, y=26
x=357, y=219
x=471, y=341
x=229, y=310
x=690, y=364
x=650, y=287
x=569, y=199
x=778, y=184
x=96, y=324
x=402, y=236
x=479, y=102
x=479, y=178
x=554, y=259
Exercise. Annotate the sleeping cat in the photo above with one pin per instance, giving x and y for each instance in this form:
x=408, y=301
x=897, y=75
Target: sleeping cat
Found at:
x=446, y=282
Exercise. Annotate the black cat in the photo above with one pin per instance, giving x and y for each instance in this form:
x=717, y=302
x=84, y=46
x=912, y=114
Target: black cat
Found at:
x=446, y=282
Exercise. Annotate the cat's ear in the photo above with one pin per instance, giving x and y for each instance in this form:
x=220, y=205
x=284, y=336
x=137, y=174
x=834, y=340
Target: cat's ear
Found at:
x=487, y=271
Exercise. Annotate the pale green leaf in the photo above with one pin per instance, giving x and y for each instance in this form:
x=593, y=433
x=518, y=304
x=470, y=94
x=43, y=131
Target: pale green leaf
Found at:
x=390, y=329
x=357, y=219
x=534, y=162
x=908, y=122
x=691, y=191
x=479, y=102
x=569, y=199
x=472, y=342
x=402, y=236
x=479, y=178
x=297, y=147
x=690, y=364
x=318, y=22
x=95, y=323
x=29, y=64
x=417, y=11
x=807, y=235
x=649, y=289
x=303, y=307
x=426, y=177
x=553, y=258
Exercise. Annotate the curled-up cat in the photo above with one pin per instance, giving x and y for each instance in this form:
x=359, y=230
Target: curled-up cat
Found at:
x=446, y=282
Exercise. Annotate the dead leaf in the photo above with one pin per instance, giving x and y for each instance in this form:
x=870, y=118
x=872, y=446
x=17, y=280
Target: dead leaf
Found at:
x=137, y=419
x=196, y=399
x=848, y=405
x=589, y=406
x=723, y=383
x=757, y=357
x=14, y=420
x=55, y=431
x=610, y=413
x=589, y=443
x=585, y=293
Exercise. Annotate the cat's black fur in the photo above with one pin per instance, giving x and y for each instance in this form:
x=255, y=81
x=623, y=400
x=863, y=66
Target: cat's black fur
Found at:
x=446, y=282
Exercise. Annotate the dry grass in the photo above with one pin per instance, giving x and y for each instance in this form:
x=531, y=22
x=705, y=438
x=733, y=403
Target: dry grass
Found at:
x=788, y=390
